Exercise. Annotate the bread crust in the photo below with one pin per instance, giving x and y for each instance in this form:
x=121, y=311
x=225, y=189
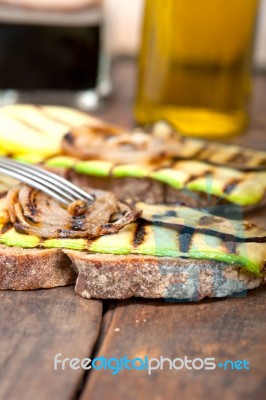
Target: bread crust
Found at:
x=26, y=269
x=107, y=276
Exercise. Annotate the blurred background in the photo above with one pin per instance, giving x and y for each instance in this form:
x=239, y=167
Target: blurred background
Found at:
x=126, y=16
x=193, y=59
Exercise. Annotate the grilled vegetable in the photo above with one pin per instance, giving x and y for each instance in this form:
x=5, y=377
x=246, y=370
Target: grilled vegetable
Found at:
x=117, y=145
x=229, y=155
x=188, y=234
x=223, y=154
x=215, y=153
x=33, y=212
x=155, y=142
x=201, y=221
x=35, y=132
x=238, y=187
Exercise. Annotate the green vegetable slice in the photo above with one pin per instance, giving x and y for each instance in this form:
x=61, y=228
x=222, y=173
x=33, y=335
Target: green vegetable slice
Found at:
x=238, y=187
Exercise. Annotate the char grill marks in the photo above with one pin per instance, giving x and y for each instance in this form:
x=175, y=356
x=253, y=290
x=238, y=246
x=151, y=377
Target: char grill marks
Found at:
x=6, y=227
x=185, y=238
x=231, y=186
x=242, y=158
x=223, y=154
x=190, y=221
x=139, y=233
x=35, y=213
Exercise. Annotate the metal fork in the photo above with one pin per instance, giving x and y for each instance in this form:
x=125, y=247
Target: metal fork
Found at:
x=55, y=186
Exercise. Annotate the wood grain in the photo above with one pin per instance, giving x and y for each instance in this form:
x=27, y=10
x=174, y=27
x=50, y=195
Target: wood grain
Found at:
x=232, y=328
x=36, y=325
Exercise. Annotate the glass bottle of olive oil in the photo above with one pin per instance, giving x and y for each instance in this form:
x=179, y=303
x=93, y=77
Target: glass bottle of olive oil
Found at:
x=194, y=65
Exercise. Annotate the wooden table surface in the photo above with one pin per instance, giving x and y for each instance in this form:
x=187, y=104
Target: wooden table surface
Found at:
x=36, y=325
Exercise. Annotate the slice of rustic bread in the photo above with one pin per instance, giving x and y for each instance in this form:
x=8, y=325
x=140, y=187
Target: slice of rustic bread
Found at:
x=25, y=269
x=107, y=276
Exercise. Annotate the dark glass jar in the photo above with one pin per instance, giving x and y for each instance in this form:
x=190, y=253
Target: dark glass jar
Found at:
x=52, y=52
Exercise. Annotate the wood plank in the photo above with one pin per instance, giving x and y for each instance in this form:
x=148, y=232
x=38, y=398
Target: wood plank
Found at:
x=36, y=325
x=232, y=328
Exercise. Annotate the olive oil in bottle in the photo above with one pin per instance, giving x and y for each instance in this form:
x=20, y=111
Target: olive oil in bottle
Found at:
x=194, y=65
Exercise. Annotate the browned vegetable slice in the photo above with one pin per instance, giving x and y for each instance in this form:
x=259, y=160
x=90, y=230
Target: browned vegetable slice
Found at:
x=120, y=146
x=35, y=213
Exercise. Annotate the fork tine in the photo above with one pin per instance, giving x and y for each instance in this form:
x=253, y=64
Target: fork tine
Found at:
x=32, y=183
x=39, y=179
x=51, y=179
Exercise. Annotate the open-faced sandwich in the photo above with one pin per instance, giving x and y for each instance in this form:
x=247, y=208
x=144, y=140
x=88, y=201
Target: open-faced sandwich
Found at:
x=166, y=221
